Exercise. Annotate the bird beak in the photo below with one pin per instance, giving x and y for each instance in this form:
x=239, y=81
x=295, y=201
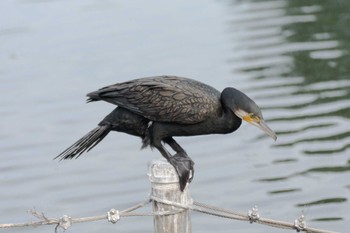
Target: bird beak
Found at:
x=264, y=127
x=261, y=124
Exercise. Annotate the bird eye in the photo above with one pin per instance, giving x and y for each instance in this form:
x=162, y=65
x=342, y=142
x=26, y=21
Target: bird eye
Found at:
x=254, y=117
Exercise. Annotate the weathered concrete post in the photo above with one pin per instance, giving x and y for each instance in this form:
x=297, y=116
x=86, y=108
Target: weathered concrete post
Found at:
x=165, y=186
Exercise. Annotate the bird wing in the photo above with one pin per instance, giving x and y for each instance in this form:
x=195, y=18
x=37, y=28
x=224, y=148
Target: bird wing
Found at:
x=164, y=98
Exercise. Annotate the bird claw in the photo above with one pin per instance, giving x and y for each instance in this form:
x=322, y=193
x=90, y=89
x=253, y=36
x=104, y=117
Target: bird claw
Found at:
x=184, y=168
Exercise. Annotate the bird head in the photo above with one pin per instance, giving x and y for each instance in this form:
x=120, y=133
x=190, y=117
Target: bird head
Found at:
x=246, y=109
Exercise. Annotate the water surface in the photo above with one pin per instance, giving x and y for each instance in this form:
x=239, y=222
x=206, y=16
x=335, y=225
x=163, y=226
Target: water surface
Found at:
x=290, y=56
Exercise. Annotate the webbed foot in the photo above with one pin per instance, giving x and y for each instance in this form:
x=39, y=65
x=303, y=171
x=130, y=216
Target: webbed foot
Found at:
x=184, y=168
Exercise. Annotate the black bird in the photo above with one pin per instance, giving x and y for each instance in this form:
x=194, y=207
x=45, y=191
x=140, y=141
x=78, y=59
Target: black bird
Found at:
x=160, y=108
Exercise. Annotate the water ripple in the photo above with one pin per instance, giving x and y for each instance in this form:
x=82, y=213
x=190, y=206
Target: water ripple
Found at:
x=294, y=64
x=323, y=201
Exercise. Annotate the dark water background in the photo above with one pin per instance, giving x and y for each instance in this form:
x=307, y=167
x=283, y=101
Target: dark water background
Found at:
x=291, y=56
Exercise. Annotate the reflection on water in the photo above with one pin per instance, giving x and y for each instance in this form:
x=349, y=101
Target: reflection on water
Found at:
x=324, y=201
x=291, y=56
x=285, y=191
x=295, y=55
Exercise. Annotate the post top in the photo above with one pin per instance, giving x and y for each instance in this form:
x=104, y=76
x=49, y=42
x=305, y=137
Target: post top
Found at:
x=161, y=171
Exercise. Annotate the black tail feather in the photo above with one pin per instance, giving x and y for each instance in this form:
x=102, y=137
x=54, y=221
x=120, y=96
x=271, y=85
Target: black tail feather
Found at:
x=86, y=143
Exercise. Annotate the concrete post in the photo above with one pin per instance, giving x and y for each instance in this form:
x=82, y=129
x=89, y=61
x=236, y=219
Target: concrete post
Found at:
x=165, y=186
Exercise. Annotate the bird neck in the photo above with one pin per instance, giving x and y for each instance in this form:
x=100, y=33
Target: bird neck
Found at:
x=228, y=122
x=231, y=121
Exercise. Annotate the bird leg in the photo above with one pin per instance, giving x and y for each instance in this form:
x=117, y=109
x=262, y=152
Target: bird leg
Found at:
x=184, y=168
x=181, y=155
x=175, y=146
x=180, y=161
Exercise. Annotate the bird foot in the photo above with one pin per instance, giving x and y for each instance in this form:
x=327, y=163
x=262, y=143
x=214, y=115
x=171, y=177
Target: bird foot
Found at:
x=184, y=168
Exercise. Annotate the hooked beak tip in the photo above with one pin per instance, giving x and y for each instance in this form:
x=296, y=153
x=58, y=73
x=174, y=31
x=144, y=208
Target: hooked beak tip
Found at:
x=274, y=137
x=264, y=127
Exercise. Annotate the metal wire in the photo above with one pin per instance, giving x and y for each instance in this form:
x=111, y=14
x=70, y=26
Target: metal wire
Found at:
x=113, y=216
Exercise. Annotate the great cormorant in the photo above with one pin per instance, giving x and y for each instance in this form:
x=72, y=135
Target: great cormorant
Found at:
x=160, y=108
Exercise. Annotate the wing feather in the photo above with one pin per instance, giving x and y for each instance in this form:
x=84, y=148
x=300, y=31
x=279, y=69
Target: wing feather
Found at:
x=164, y=98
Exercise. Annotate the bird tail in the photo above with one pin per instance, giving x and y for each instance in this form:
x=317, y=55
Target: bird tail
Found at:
x=86, y=143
